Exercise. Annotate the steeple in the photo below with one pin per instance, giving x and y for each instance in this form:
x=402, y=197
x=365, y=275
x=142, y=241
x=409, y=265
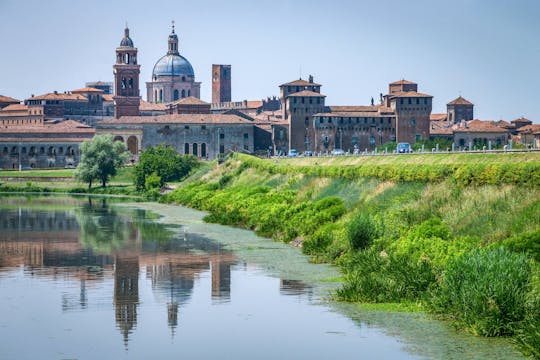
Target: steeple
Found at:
x=173, y=42
x=126, y=41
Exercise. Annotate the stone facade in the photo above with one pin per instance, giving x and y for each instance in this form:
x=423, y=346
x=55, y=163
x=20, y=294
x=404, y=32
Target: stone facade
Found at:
x=202, y=135
x=43, y=146
x=460, y=109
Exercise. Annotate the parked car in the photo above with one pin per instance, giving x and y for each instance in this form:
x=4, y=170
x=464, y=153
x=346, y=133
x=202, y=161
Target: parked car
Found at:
x=70, y=166
x=403, y=148
x=27, y=168
x=338, y=152
x=293, y=153
x=308, y=153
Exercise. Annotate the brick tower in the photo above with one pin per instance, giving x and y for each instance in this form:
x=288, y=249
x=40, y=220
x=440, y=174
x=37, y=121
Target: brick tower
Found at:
x=126, y=79
x=221, y=83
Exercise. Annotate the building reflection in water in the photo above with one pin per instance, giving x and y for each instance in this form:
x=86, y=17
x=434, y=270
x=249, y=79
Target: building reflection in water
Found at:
x=94, y=243
x=126, y=293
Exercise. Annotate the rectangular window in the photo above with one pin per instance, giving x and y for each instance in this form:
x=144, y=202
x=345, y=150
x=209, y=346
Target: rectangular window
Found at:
x=246, y=135
x=186, y=127
x=203, y=127
x=222, y=136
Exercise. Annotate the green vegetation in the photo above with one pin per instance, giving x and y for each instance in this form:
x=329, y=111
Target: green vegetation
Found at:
x=166, y=163
x=457, y=236
x=100, y=159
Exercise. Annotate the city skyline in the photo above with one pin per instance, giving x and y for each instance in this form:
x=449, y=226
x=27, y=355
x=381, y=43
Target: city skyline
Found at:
x=483, y=51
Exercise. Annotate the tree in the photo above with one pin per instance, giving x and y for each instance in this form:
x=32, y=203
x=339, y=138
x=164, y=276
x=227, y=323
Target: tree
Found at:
x=100, y=159
x=165, y=162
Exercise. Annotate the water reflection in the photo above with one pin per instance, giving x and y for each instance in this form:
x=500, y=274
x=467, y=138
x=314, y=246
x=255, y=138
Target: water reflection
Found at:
x=94, y=242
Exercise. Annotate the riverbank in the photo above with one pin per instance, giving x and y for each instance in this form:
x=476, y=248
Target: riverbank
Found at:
x=400, y=233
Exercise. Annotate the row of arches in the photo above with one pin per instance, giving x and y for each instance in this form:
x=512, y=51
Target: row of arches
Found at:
x=132, y=143
x=42, y=150
x=158, y=94
x=195, y=149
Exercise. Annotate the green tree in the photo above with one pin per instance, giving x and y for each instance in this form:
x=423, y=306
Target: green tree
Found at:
x=165, y=162
x=100, y=159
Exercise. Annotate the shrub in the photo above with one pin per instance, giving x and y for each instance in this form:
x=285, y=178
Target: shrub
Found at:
x=320, y=240
x=373, y=276
x=528, y=243
x=361, y=231
x=485, y=291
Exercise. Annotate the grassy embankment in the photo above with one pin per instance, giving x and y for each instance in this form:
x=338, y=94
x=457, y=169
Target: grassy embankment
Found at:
x=63, y=181
x=456, y=235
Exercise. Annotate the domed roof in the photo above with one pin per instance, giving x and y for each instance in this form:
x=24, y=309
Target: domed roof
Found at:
x=126, y=41
x=173, y=65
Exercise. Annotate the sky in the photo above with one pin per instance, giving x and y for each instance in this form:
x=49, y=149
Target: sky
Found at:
x=487, y=51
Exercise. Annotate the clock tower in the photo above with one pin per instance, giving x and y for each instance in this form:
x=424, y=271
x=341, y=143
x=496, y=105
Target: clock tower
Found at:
x=126, y=79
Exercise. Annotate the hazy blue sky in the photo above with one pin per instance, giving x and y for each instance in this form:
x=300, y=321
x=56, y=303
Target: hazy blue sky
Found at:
x=486, y=50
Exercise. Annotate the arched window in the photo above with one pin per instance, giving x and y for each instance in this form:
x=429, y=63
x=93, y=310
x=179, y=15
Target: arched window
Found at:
x=183, y=93
x=160, y=95
x=175, y=94
x=24, y=150
x=189, y=93
x=203, y=150
x=183, y=78
x=5, y=151
x=155, y=96
x=60, y=150
x=42, y=150
x=195, y=149
x=130, y=83
x=186, y=149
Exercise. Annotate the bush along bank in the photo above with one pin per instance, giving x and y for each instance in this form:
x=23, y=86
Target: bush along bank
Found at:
x=467, y=253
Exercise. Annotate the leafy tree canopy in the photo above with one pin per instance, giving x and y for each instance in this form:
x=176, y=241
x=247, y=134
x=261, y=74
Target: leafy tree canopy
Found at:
x=165, y=162
x=100, y=159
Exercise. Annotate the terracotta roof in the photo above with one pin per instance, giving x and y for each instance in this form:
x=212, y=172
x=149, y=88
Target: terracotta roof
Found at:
x=403, y=82
x=254, y=104
x=15, y=107
x=109, y=97
x=87, y=90
x=505, y=124
x=441, y=127
x=406, y=94
x=178, y=119
x=306, y=93
x=480, y=126
x=68, y=126
x=59, y=96
x=353, y=114
x=40, y=139
x=529, y=129
x=300, y=82
x=460, y=101
x=147, y=106
x=522, y=120
x=190, y=100
x=374, y=108
x=438, y=117
x=7, y=99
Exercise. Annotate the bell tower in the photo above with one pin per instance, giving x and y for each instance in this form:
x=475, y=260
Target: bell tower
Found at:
x=126, y=79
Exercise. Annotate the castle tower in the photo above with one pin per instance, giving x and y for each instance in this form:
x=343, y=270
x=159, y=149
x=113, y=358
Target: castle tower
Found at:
x=126, y=79
x=221, y=83
x=460, y=109
x=412, y=110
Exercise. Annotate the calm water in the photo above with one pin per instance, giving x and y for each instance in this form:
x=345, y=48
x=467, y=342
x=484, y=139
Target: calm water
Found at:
x=85, y=279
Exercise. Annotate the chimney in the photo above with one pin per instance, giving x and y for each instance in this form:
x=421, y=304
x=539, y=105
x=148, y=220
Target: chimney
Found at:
x=311, y=79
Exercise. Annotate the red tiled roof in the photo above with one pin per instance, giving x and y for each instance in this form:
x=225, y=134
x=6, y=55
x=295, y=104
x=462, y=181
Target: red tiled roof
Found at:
x=254, y=104
x=178, y=119
x=7, y=99
x=354, y=114
x=190, y=100
x=147, y=106
x=109, y=97
x=440, y=127
x=306, y=93
x=403, y=82
x=87, y=90
x=68, y=126
x=460, y=101
x=438, y=117
x=529, y=129
x=346, y=108
x=480, y=126
x=15, y=107
x=406, y=94
x=300, y=82
x=59, y=96
x=521, y=120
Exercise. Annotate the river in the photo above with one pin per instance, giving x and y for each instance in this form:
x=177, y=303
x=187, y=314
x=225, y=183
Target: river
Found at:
x=93, y=278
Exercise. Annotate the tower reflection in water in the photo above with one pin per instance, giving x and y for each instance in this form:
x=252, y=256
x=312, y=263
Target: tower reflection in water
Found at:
x=93, y=242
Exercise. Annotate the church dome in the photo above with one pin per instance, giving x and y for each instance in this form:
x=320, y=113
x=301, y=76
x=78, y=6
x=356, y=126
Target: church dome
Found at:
x=173, y=65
